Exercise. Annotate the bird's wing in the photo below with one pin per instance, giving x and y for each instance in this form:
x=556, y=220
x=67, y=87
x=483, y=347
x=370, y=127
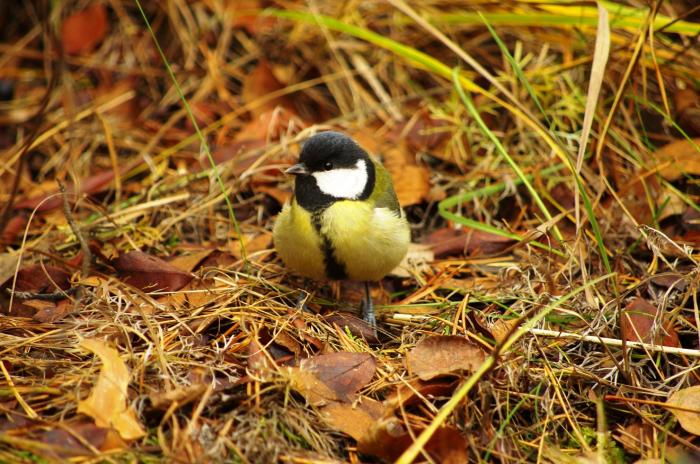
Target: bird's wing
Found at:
x=384, y=195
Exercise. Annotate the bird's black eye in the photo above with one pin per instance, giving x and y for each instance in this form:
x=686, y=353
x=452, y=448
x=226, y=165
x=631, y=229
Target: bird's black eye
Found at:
x=328, y=166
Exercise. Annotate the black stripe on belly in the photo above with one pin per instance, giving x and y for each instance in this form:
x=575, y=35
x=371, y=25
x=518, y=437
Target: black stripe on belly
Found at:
x=334, y=268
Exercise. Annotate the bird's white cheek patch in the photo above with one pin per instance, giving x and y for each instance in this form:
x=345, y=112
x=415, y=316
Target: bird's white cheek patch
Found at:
x=343, y=183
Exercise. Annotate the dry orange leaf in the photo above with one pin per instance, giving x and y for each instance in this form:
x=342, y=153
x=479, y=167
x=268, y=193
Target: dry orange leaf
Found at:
x=107, y=403
x=679, y=158
x=8, y=266
x=188, y=262
x=252, y=243
x=355, y=420
x=443, y=354
x=388, y=439
x=687, y=399
x=246, y=15
x=82, y=31
x=258, y=85
x=416, y=391
x=411, y=181
x=502, y=328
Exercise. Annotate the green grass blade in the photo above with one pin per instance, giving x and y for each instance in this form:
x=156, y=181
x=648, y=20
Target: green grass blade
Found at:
x=516, y=68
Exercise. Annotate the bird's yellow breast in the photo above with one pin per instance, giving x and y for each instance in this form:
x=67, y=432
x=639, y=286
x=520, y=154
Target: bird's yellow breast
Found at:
x=298, y=243
x=367, y=242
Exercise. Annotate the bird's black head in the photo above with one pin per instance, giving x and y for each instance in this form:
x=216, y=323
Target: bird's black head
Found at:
x=332, y=167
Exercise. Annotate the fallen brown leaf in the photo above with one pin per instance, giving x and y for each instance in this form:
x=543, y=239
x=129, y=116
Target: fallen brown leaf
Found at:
x=83, y=31
x=182, y=395
x=15, y=226
x=8, y=266
x=411, y=181
x=354, y=419
x=189, y=262
x=636, y=437
x=687, y=102
x=53, y=200
x=443, y=354
x=36, y=278
x=672, y=280
x=246, y=15
x=687, y=398
x=501, y=328
x=388, y=439
x=356, y=326
x=415, y=390
x=150, y=273
x=641, y=322
x=679, y=158
x=417, y=260
x=466, y=241
x=253, y=243
x=332, y=377
x=53, y=312
x=258, y=85
x=108, y=401
x=69, y=440
x=422, y=132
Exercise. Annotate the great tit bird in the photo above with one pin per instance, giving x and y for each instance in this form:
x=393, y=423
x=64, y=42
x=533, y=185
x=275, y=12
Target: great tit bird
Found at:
x=345, y=221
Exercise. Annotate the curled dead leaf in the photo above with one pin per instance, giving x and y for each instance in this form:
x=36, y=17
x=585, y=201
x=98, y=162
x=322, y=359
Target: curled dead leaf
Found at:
x=108, y=401
x=502, y=328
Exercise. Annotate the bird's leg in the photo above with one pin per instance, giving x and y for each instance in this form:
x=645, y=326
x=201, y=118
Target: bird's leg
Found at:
x=368, y=308
x=303, y=297
x=301, y=300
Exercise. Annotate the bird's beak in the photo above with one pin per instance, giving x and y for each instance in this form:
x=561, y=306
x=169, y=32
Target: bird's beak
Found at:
x=297, y=169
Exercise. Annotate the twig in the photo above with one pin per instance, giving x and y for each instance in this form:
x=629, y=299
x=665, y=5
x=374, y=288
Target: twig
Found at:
x=616, y=342
x=585, y=338
x=55, y=296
